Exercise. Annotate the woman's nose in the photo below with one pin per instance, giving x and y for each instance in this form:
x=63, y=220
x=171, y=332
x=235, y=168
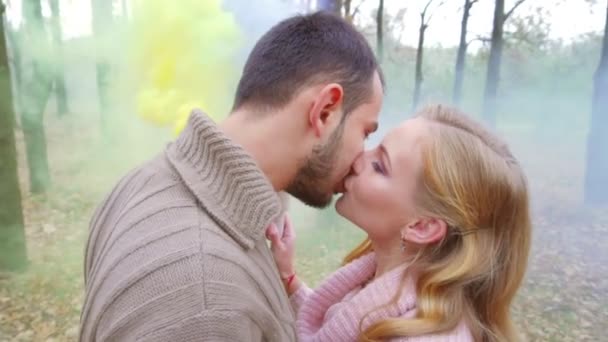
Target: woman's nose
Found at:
x=359, y=164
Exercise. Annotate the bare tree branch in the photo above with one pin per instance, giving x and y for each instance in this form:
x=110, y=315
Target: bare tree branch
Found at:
x=435, y=11
x=470, y=5
x=423, y=13
x=480, y=39
x=508, y=35
x=357, y=9
x=508, y=14
x=399, y=19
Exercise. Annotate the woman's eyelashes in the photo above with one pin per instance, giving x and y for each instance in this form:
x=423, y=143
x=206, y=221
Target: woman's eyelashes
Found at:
x=378, y=167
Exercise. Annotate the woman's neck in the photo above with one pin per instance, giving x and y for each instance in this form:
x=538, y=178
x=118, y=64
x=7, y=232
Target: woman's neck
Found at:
x=390, y=256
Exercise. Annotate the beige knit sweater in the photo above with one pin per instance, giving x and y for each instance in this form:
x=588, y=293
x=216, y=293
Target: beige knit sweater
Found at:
x=177, y=251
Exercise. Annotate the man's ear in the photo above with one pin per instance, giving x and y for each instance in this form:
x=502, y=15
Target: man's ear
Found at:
x=425, y=231
x=325, y=111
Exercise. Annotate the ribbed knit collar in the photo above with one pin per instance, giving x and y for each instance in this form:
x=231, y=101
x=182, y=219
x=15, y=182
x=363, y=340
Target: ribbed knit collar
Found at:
x=225, y=179
x=340, y=308
x=318, y=323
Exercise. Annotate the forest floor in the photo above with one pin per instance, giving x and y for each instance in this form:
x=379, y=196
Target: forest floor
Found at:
x=564, y=298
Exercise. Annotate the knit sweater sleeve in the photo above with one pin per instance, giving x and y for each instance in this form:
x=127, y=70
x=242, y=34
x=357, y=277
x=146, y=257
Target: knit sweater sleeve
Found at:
x=297, y=298
x=210, y=325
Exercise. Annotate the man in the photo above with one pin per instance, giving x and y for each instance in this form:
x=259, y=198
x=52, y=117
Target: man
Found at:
x=177, y=251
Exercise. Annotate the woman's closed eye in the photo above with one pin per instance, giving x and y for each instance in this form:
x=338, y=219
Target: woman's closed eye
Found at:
x=378, y=167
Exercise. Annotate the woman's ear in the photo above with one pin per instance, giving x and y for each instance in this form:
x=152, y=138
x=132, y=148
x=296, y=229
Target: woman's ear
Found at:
x=425, y=231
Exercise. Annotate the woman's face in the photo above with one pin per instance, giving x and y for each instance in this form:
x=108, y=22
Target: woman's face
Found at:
x=379, y=194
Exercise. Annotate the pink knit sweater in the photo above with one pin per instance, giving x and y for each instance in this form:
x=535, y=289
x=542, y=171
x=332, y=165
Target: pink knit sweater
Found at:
x=332, y=312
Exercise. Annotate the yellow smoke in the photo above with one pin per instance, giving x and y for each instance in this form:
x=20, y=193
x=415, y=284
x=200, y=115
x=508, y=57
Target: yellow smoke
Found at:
x=184, y=53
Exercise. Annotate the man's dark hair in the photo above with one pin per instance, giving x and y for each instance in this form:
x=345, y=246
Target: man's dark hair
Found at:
x=307, y=50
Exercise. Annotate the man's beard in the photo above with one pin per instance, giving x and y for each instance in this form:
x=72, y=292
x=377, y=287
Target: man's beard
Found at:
x=313, y=182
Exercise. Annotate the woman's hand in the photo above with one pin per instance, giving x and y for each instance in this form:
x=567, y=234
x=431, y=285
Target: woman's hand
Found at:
x=282, y=246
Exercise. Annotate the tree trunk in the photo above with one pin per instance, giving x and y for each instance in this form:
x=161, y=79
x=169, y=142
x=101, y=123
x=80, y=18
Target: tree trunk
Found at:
x=102, y=19
x=14, y=53
x=379, y=31
x=60, y=89
x=103, y=70
x=124, y=9
x=462, y=54
x=35, y=94
x=347, y=11
x=596, y=178
x=334, y=6
x=493, y=73
x=13, y=254
x=419, y=60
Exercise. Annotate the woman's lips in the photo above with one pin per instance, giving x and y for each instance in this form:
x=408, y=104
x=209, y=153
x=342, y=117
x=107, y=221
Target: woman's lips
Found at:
x=341, y=187
x=347, y=183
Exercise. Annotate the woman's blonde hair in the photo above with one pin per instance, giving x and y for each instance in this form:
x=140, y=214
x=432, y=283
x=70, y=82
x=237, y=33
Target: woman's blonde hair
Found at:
x=471, y=180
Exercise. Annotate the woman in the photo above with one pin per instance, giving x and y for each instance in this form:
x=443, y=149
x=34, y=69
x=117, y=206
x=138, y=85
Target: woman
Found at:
x=445, y=206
